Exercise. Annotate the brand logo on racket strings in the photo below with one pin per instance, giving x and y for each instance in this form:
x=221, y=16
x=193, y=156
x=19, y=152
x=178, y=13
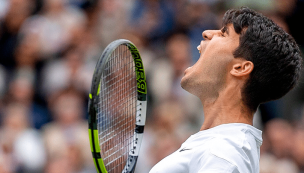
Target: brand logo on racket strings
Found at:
x=139, y=68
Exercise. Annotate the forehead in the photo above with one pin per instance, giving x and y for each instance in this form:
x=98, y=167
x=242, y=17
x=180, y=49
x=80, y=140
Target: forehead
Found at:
x=229, y=27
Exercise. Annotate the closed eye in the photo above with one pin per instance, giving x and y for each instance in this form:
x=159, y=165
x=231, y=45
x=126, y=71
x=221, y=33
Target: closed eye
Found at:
x=224, y=30
x=222, y=34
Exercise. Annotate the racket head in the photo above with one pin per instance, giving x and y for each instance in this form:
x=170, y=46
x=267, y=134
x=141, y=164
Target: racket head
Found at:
x=117, y=108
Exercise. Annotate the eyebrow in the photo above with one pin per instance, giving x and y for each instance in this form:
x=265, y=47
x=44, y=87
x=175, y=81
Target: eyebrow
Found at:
x=225, y=29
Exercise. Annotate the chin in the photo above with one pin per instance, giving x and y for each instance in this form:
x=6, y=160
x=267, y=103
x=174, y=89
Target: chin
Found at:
x=185, y=84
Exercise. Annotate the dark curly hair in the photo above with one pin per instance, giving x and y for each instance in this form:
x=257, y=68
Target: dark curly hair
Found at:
x=276, y=57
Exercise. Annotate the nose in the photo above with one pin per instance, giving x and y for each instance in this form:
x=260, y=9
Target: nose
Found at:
x=208, y=34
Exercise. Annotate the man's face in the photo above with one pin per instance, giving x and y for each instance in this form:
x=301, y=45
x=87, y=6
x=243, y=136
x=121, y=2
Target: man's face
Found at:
x=208, y=75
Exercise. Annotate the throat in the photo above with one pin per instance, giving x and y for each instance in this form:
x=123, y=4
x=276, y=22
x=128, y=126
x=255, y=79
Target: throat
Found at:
x=224, y=112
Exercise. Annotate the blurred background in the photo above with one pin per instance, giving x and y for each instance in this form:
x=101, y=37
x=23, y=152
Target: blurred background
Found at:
x=48, y=51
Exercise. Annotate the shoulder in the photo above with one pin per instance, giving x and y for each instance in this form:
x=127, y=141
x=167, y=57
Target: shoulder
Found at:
x=217, y=155
x=229, y=151
x=226, y=148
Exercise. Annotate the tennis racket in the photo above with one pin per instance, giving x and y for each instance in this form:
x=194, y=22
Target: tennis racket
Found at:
x=117, y=108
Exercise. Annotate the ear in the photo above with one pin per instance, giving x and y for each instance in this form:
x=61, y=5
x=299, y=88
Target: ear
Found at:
x=242, y=68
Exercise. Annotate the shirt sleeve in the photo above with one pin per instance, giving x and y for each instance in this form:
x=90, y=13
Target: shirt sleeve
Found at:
x=211, y=163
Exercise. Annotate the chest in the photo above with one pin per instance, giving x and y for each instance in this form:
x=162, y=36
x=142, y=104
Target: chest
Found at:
x=177, y=162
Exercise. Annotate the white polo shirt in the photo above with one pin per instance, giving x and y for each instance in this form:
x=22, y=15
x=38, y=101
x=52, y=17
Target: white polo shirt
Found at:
x=227, y=148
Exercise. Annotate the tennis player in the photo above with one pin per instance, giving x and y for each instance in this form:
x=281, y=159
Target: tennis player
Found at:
x=249, y=61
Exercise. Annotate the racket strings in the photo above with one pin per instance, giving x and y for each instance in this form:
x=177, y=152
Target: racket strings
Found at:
x=117, y=109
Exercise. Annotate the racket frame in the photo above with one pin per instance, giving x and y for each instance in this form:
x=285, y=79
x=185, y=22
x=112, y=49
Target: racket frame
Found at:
x=140, y=110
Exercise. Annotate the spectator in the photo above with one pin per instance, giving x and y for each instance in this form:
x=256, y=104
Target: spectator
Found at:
x=55, y=26
x=71, y=70
x=66, y=137
x=298, y=148
x=277, y=131
x=112, y=20
x=270, y=164
x=153, y=19
x=17, y=12
x=21, y=90
x=22, y=148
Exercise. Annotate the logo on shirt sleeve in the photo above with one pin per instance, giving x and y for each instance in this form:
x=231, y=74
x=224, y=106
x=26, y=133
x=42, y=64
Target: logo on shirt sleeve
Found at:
x=184, y=149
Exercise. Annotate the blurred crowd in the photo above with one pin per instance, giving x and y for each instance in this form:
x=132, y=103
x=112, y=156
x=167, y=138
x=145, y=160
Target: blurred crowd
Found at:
x=48, y=52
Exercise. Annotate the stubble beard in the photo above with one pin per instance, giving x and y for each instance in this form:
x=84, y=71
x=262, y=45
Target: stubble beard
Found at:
x=204, y=90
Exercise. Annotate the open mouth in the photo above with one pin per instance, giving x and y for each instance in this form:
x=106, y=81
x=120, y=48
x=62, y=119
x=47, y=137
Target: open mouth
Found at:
x=199, y=48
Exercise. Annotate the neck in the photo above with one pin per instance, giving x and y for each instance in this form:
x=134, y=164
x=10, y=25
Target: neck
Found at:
x=226, y=108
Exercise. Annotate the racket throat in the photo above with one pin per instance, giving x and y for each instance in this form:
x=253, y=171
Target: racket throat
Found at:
x=130, y=166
